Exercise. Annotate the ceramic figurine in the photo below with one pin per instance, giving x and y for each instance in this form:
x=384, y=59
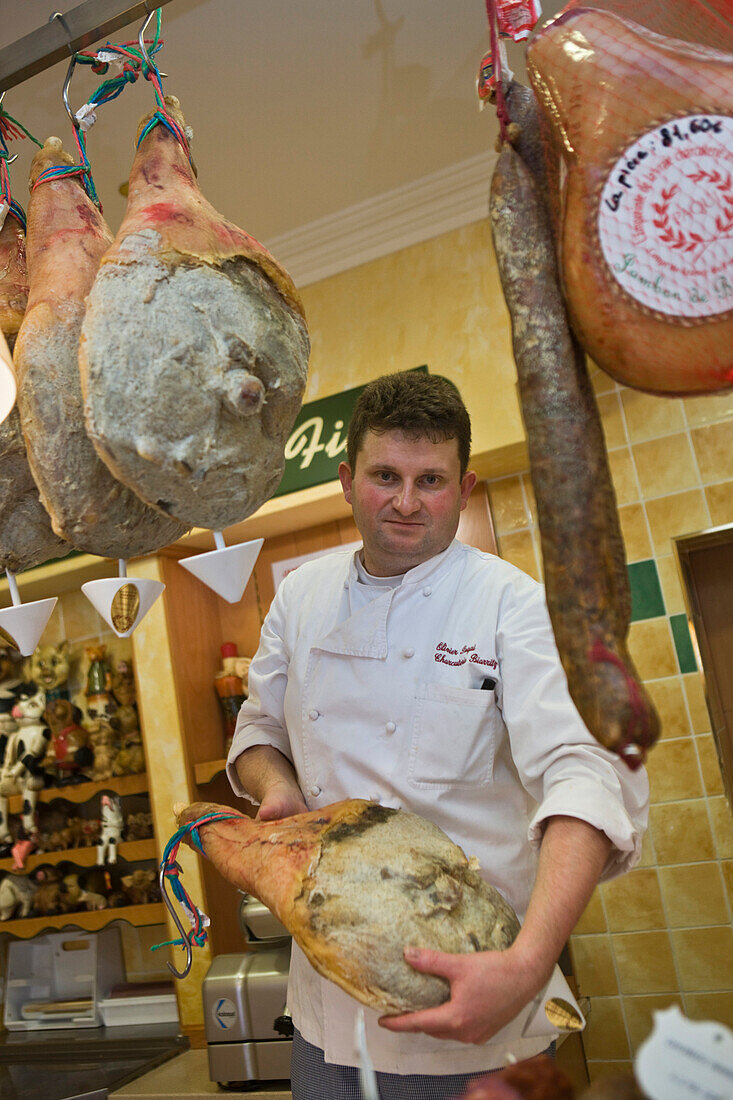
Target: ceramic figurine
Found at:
x=76, y=896
x=21, y=770
x=103, y=732
x=111, y=829
x=99, y=675
x=141, y=887
x=11, y=680
x=139, y=826
x=21, y=850
x=49, y=668
x=47, y=900
x=73, y=757
x=122, y=683
x=16, y=896
x=130, y=759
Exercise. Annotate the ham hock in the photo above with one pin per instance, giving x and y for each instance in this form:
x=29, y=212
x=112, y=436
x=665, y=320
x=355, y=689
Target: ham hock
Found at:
x=355, y=883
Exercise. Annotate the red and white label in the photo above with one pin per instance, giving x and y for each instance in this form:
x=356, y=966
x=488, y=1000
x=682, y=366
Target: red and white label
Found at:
x=665, y=219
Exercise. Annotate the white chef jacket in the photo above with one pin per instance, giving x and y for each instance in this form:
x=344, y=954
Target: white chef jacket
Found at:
x=376, y=692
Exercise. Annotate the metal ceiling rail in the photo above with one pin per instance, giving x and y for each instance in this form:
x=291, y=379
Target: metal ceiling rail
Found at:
x=74, y=30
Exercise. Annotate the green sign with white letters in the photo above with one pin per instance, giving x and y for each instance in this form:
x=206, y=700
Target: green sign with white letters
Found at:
x=317, y=443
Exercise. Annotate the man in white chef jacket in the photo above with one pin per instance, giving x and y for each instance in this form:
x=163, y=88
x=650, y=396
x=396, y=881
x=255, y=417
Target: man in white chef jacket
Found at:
x=423, y=673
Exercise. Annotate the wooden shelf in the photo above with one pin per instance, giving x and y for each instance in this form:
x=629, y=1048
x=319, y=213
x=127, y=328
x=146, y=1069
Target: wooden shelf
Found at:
x=131, y=850
x=82, y=792
x=64, y=575
x=91, y=922
x=206, y=771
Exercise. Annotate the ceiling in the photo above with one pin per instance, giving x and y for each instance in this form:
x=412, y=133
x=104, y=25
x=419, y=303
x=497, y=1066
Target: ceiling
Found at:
x=302, y=113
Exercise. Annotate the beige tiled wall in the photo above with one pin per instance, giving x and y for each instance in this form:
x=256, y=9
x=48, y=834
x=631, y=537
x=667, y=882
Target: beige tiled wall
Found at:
x=660, y=935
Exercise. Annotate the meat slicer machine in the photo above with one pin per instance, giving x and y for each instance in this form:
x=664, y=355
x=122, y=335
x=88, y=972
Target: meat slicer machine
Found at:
x=248, y=1026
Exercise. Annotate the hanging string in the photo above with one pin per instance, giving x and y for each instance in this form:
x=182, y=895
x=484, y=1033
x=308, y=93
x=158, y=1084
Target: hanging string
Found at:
x=10, y=129
x=132, y=62
x=171, y=869
x=84, y=169
x=502, y=113
x=161, y=116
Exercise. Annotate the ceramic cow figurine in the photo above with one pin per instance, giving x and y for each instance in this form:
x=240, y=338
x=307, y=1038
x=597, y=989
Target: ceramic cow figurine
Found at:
x=111, y=823
x=22, y=753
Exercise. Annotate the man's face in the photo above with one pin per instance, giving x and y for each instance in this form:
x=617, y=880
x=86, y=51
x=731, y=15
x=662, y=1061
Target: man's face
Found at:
x=407, y=495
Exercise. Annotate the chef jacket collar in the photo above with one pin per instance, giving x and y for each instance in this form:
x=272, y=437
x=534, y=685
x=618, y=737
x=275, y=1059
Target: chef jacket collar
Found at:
x=364, y=634
x=432, y=568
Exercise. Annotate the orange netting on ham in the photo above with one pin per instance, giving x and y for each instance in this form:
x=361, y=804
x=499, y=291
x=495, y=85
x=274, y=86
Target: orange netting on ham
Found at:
x=706, y=22
x=636, y=101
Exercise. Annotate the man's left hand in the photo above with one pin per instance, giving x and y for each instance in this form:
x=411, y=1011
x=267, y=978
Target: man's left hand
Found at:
x=488, y=990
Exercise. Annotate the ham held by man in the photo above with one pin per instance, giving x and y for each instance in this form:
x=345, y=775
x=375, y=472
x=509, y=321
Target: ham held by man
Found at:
x=355, y=883
x=194, y=348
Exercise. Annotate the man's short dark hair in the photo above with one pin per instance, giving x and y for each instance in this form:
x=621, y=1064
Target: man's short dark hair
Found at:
x=418, y=404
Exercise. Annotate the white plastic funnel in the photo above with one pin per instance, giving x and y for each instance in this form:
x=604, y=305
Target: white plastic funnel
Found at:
x=123, y=601
x=21, y=626
x=8, y=386
x=226, y=569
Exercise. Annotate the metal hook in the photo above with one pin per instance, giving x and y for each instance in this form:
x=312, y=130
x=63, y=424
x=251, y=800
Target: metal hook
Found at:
x=65, y=93
x=141, y=41
x=58, y=15
x=177, y=921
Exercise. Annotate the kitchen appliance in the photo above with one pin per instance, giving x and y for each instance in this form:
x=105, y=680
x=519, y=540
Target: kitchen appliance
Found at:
x=248, y=1026
x=59, y=980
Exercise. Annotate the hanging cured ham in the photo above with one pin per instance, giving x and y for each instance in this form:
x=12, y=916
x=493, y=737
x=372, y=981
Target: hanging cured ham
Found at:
x=66, y=238
x=644, y=127
x=354, y=883
x=194, y=348
x=13, y=277
x=26, y=536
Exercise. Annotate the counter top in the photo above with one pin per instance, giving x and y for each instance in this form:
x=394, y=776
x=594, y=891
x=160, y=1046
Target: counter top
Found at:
x=186, y=1077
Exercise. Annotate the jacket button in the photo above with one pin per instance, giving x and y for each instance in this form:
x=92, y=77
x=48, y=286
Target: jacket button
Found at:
x=315, y=790
x=313, y=714
x=409, y=652
x=427, y=590
x=390, y=727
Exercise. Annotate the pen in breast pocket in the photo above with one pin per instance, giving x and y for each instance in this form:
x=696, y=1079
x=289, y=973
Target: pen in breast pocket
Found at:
x=488, y=684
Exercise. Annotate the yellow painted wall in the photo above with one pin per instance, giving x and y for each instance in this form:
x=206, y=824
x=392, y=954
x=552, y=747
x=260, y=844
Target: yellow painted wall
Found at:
x=437, y=303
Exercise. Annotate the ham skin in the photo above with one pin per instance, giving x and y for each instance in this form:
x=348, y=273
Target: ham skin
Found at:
x=13, y=277
x=194, y=349
x=356, y=882
x=602, y=83
x=66, y=238
x=26, y=536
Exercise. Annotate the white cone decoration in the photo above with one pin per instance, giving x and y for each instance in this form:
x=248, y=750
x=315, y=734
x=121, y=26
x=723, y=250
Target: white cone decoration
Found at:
x=123, y=601
x=21, y=626
x=226, y=569
x=8, y=385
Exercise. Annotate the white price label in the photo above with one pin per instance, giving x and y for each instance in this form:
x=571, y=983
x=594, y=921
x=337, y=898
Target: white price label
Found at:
x=665, y=218
x=684, y=1059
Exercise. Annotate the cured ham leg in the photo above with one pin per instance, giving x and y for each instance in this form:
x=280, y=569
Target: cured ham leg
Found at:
x=26, y=536
x=354, y=884
x=66, y=239
x=13, y=277
x=644, y=126
x=194, y=349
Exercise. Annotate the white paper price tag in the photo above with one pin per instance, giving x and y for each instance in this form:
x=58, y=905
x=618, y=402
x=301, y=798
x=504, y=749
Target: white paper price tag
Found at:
x=686, y=1059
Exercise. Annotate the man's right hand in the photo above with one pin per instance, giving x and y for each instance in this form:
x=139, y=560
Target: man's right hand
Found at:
x=282, y=799
x=270, y=778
